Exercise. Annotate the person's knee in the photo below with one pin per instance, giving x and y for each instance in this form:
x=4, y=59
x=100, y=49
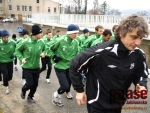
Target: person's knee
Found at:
x=5, y=77
x=30, y=85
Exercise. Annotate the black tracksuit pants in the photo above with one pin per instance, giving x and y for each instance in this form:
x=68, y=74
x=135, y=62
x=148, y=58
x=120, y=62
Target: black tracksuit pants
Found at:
x=7, y=71
x=47, y=61
x=15, y=61
x=0, y=76
x=64, y=80
x=32, y=77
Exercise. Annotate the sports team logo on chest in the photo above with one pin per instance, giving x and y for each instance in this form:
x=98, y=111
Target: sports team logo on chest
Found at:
x=64, y=48
x=11, y=46
x=39, y=47
x=132, y=66
x=29, y=48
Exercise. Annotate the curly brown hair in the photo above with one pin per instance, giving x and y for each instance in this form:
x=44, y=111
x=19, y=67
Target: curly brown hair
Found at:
x=130, y=23
x=98, y=27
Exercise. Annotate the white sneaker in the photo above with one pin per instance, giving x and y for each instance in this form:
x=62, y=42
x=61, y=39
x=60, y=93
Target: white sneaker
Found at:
x=47, y=81
x=6, y=90
x=56, y=101
x=69, y=95
x=23, y=81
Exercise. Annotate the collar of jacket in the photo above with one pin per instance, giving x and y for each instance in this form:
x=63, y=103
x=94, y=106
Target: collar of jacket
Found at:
x=48, y=38
x=97, y=35
x=33, y=40
x=85, y=37
x=5, y=42
x=103, y=40
x=68, y=39
x=122, y=50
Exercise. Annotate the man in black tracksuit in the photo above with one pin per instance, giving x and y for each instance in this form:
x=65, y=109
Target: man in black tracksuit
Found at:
x=112, y=67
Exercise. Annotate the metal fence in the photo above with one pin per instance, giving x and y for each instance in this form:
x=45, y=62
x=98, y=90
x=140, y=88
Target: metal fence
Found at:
x=88, y=21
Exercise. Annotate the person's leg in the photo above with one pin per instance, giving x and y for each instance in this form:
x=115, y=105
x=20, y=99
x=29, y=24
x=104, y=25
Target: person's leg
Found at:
x=43, y=61
x=69, y=95
x=49, y=69
x=15, y=64
x=29, y=82
x=0, y=76
x=4, y=71
x=35, y=75
x=23, y=80
x=64, y=86
x=1, y=83
x=10, y=70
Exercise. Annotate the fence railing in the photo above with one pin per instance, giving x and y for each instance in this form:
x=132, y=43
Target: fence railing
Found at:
x=88, y=21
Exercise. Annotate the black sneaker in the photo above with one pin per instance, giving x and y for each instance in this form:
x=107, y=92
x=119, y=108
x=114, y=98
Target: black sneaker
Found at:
x=30, y=100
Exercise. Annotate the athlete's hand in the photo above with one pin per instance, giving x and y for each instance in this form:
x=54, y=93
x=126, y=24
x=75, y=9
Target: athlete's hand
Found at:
x=24, y=61
x=81, y=98
x=42, y=55
x=139, y=88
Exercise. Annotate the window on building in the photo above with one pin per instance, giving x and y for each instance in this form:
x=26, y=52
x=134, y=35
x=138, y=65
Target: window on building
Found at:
x=30, y=8
x=12, y=15
x=0, y=1
x=29, y=16
x=54, y=9
x=9, y=0
x=37, y=1
x=49, y=9
x=25, y=8
x=10, y=7
x=18, y=8
x=38, y=9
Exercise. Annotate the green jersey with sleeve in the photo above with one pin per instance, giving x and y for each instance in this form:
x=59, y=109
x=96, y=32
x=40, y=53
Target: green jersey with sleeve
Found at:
x=99, y=40
x=113, y=36
x=63, y=47
x=7, y=49
x=89, y=41
x=30, y=49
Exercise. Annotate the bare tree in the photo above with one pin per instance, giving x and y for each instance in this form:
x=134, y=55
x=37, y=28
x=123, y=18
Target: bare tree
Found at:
x=142, y=13
x=78, y=6
x=85, y=8
x=114, y=12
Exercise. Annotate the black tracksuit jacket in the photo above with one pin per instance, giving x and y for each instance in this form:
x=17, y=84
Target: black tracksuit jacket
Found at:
x=111, y=70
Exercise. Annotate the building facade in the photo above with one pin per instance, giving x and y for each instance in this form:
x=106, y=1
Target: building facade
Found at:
x=23, y=9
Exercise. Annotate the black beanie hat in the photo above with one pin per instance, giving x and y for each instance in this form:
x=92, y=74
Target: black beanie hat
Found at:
x=24, y=32
x=36, y=30
x=85, y=30
x=14, y=36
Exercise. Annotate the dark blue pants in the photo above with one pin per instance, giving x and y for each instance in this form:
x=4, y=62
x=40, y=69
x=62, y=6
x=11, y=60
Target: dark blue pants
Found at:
x=7, y=71
x=32, y=77
x=64, y=80
x=0, y=76
x=45, y=61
